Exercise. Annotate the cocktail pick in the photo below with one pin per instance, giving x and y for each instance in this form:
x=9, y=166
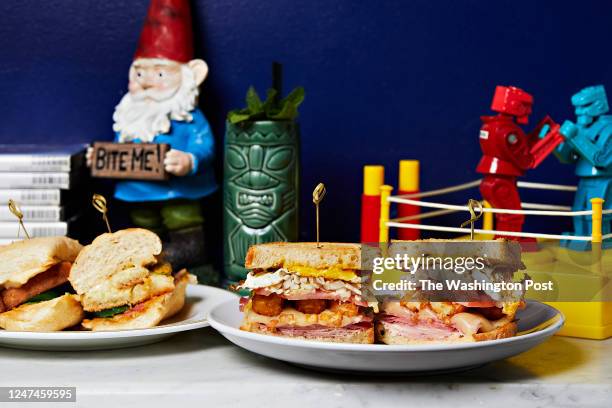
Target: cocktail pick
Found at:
x=317, y=197
x=14, y=208
x=473, y=216
x=99, y=203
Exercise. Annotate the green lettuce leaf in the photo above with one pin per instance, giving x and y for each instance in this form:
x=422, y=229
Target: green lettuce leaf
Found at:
x=111, y=312
x=43, y=297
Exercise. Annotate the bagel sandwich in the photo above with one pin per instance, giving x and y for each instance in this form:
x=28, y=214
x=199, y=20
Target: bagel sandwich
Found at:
x=124, y=283
x=34, y=291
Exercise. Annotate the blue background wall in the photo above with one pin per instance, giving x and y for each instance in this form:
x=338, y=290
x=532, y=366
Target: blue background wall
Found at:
x=385, y=80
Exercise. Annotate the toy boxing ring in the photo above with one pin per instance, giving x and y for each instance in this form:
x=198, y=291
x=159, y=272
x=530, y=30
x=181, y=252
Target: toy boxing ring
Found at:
x=415, y=199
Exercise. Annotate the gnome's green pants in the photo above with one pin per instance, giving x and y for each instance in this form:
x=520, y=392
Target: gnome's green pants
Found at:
x=161, y=216
x=180, y=223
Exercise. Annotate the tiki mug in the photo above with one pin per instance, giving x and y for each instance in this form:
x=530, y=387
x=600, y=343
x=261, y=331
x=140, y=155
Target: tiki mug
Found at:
x=261, y=188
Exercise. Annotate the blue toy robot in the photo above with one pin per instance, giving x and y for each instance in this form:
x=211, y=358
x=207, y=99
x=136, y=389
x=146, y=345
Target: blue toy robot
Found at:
x=589, y=143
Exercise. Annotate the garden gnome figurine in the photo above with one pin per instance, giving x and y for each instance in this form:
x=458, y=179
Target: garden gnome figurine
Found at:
x=161, y=107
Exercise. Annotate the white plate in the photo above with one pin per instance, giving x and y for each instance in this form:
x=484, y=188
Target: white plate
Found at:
x=200, y=300
x=226, y=318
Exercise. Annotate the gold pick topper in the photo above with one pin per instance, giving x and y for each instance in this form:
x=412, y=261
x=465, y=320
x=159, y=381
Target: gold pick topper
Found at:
x=317, y=197
x=99, y=203
x=473, y=216
x=14, y=208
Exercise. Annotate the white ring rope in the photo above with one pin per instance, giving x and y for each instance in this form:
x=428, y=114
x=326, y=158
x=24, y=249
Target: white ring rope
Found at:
x=483, y=231
x=535, y=206
x=421, y=216
x=445, y=212
x=474, y=183
x=545, y=186
x=437, y=213
x=531, y=209
x=429, y=204
x=451, y=189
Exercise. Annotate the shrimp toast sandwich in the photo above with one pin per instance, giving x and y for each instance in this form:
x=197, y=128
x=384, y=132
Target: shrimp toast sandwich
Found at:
x=474, y=313
x=34, y=285
x=124, y=282
x=302, y=291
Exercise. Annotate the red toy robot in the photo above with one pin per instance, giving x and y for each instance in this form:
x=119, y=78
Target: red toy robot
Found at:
x=508, y=152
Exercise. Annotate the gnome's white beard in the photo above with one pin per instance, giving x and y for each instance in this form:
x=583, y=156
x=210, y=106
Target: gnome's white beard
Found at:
x=148, y=113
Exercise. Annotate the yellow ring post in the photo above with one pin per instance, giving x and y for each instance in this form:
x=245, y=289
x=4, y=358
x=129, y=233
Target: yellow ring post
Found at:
x=385, y=193
x=373, y=178
x=596, y=236
x=596, y=217
x=487, y=218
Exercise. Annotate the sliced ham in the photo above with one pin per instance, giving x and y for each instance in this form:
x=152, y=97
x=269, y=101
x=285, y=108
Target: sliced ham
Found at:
x=428, y=323
x=421, y=330
x=412, y=322
x=56, y=276
x=317, y=331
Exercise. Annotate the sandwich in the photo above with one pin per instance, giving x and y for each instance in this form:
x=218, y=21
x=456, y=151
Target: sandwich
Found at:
x=34, y=290
x=466, y=315
x=124, y=283
x=302, y=291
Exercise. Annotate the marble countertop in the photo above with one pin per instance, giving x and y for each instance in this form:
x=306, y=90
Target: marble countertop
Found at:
x=203, y=368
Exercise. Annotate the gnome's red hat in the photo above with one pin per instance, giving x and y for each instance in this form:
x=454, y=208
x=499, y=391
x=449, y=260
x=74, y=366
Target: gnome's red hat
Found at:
x=167, y=31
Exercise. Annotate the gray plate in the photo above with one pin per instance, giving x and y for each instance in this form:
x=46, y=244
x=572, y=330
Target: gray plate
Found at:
x=200, y=300
x=226, y=319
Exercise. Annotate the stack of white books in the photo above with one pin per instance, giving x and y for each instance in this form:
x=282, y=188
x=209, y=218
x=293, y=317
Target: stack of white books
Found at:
x=39, y=179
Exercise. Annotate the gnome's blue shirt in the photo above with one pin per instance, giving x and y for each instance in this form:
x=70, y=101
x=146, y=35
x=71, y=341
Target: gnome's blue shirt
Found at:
x=192, y=137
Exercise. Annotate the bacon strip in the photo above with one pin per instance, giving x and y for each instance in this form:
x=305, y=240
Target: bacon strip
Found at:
x=243, y=302
x=42, y=282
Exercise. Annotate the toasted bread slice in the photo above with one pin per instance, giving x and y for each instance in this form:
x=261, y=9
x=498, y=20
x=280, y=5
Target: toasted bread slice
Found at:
x=112, y=270
x=25, y=259
x=147, y=314
x=508, y=330
x=52, y=315
x=390, y=333
x=287, y=254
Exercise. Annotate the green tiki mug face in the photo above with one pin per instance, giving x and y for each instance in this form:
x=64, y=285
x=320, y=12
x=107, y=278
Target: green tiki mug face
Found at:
x=261, y=180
